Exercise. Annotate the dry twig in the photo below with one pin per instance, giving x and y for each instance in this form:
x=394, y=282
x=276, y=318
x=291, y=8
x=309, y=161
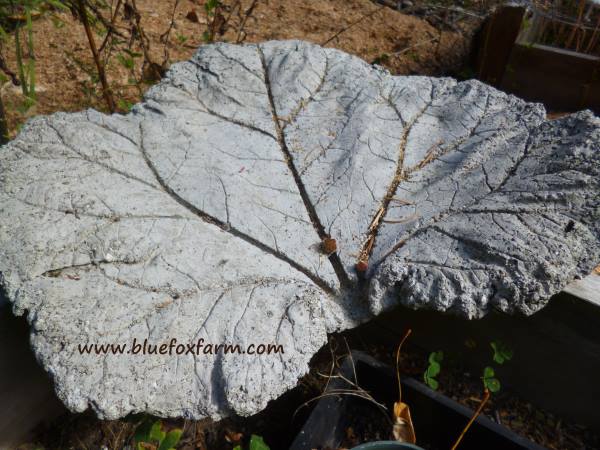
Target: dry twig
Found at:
x=106, y=92
x=351, y=25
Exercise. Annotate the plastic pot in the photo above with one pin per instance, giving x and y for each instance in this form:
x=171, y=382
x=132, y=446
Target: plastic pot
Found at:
x=438, y=420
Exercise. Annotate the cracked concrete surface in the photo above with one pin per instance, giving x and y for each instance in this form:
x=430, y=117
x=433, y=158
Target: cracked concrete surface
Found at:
x=200, y=215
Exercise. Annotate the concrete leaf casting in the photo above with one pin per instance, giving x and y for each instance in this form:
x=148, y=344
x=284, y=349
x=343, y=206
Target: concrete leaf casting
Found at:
x=200, y=215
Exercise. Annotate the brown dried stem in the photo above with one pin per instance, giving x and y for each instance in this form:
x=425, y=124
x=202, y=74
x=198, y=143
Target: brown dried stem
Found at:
x=111, y=27
x=106, y=92
x=484, y=400
x=406, y=335
x=247, y=15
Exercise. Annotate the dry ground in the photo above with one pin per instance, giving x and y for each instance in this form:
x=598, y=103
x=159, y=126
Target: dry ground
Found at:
x=405, y=44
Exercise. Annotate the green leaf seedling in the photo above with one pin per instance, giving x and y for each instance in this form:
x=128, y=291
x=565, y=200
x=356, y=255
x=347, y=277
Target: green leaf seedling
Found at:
x=433, y=370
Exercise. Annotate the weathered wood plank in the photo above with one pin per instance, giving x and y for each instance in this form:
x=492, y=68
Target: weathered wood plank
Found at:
x=561, y=79
x=496, y=42
x=587, y=289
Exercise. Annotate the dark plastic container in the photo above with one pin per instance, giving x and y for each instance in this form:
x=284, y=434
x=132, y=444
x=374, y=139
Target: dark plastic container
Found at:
x=438, y=420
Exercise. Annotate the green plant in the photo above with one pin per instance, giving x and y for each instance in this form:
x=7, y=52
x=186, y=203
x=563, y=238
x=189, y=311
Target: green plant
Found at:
x=150, y=433
x=382, y=59
x=490, y=382
x=26, y=72
x=181, y=38
x=57, y=22
x=256, y=443
x=127, y=59
x=18, y=16
x=502, y=352
x=124, y=105
x=211, y=6
x=213, y=16
x=88, y=86
x=24, y=105
x=433, y=369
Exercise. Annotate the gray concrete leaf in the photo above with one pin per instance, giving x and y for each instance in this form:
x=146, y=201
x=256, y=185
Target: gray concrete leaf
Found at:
x=521, y=222
x=200, y=215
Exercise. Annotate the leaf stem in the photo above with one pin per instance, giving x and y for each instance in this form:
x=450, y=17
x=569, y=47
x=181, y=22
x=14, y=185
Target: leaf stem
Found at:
x=19, y=57
x=398, y=363
x=31, y=56
x=484, y=400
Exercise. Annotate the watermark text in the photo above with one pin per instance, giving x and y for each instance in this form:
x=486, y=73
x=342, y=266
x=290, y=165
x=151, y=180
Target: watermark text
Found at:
x=172, y=347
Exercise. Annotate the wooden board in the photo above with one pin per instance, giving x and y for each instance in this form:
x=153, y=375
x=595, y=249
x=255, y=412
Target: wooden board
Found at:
x=560, y=79
x=495, y=43
x=587, y=289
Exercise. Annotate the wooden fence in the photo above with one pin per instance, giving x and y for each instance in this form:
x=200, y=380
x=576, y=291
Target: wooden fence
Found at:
x=561, y=79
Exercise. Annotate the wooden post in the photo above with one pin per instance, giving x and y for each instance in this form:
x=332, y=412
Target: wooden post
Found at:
x=496, y=42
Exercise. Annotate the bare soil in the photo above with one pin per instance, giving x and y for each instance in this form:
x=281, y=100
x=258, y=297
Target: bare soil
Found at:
x=403, y=43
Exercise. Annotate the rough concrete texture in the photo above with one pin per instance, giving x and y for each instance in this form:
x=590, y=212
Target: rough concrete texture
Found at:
x=201, y=213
